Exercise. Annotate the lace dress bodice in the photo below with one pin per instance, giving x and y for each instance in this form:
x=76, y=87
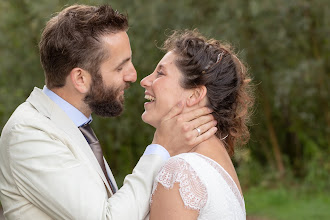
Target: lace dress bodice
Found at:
x=204, y=186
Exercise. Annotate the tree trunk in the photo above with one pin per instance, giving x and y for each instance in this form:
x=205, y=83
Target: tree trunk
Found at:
x=272, y=135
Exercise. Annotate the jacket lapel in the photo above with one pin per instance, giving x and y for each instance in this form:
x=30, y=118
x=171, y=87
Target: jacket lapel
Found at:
x=62, y=121
x=112, y=178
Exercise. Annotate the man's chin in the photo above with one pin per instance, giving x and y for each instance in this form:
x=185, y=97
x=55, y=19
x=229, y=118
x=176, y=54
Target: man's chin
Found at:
x=108, y=110
x=121, y=99
x=108, y=114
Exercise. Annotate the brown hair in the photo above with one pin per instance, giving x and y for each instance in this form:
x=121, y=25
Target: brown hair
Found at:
x=214, y=65
x=72, y=39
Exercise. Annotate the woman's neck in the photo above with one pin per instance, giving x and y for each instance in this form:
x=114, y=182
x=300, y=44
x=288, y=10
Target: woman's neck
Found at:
x=210, y=146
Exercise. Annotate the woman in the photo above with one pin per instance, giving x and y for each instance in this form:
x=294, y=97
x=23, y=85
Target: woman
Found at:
x=201, y=184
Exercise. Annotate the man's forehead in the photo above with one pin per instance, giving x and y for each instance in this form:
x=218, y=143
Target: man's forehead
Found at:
x=118, y=46
x=113, y=39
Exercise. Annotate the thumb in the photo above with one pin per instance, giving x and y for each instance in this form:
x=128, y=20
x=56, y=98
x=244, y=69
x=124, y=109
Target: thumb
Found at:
x=177, y=109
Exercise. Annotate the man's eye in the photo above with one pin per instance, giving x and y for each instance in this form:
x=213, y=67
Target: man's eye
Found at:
x=120, y=69
x=160, y=73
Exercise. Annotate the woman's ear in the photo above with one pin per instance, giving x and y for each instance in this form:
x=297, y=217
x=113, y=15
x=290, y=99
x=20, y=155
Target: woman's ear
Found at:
x=196, y=96
x=81, y=79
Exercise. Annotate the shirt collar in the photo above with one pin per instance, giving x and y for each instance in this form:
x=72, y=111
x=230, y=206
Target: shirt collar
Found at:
x=74, y=114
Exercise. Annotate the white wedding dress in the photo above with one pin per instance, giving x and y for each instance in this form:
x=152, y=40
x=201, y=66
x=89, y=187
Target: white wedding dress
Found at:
x=204, y=186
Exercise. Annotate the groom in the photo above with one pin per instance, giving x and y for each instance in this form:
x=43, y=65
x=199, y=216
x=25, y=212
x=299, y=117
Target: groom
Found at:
x=51, y=163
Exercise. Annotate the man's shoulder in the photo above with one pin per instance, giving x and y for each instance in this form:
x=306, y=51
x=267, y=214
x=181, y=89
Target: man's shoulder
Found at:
x=24, y=114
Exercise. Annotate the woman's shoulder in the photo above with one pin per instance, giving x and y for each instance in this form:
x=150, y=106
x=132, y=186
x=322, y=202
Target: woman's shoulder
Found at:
x=178, y=164
x=192, y=158
x=187, y=157
x=177, y=170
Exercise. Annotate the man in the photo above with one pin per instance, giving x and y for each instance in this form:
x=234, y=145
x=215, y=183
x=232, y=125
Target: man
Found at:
x=51, y=164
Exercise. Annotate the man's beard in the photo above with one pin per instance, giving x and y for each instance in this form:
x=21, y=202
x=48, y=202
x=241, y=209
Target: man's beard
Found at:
x=104, y=101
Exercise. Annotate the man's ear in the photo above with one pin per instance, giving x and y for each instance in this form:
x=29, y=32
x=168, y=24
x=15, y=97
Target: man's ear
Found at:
x=196, y=96
x=80, y=79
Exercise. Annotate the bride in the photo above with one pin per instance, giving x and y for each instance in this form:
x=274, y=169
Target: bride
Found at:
x=201, y=184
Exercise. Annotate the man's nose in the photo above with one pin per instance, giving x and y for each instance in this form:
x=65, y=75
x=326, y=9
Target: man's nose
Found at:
x=131, y=75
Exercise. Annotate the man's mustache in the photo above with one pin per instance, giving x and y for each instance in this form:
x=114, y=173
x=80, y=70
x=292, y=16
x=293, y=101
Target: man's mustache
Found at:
x=127, y=85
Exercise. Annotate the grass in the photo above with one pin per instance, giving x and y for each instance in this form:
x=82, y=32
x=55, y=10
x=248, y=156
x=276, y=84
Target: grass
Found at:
x=284, y=203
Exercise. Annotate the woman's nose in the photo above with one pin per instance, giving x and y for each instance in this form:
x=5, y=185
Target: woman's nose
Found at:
x=146, y=81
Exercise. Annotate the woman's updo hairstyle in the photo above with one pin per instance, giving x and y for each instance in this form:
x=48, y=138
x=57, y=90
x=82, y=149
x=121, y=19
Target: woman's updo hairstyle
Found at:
x=214, y=65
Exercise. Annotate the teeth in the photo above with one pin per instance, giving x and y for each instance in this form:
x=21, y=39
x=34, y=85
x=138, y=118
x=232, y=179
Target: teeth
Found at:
x=150, y=98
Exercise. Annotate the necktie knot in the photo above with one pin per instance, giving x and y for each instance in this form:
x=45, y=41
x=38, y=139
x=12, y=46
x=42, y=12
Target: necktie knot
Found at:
x=88, y=133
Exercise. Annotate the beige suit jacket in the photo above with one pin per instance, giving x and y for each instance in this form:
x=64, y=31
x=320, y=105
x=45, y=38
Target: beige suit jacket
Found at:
x=48, y=171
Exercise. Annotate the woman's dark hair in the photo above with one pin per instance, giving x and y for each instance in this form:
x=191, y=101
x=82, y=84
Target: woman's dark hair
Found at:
x=72, y=39
x=214, y=65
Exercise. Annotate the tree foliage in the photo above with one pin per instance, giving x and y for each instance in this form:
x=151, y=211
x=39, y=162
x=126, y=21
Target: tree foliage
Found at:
x=284, y=43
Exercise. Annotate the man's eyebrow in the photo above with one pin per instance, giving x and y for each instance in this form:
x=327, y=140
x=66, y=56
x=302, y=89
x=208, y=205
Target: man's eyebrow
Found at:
x=162, y=67
x=123, y=62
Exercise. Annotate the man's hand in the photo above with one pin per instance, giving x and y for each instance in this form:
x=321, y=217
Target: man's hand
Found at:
x=178, y=133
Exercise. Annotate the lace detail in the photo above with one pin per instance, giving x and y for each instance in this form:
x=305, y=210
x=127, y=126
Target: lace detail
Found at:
x=192, y=191
x=231, y=183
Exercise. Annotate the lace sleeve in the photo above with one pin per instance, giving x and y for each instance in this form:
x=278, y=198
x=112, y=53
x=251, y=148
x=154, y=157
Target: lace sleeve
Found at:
x=192, y=190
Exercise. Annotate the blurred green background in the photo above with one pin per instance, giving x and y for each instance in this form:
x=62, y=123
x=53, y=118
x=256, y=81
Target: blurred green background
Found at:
x=284, y=169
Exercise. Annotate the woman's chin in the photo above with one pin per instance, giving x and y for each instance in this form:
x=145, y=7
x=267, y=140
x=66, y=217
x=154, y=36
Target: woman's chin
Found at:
x=146, y=119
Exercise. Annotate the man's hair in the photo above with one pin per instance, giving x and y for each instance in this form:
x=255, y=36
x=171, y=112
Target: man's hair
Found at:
x=72, y=39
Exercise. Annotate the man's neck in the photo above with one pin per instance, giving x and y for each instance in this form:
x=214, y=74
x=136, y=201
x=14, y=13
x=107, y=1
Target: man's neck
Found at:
x=74, y=99
x=77, y=116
